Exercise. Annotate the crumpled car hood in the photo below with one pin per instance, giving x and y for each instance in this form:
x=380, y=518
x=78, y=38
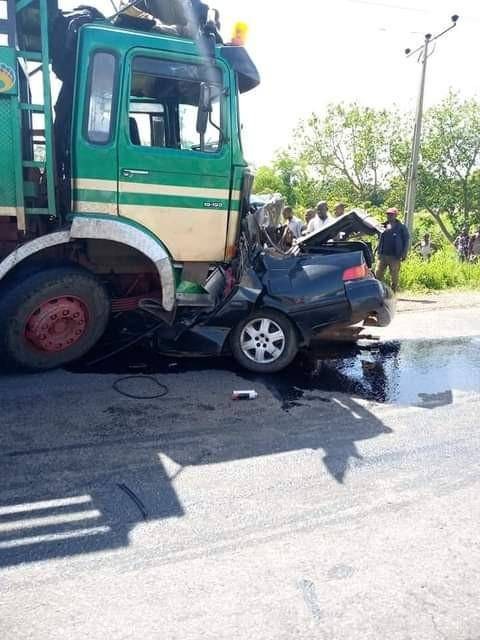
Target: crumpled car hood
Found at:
x=356, y=221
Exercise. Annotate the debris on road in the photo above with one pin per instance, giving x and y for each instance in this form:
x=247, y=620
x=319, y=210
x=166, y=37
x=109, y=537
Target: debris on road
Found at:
x=250, y=394
x=119, y=384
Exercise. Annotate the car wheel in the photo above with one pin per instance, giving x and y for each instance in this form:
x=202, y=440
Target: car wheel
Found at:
x=51, y=318
x=265, y=342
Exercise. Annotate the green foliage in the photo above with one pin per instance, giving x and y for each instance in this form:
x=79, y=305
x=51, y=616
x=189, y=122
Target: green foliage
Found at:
x=443, y=271
x=451, y=151
x=361, y=156
x=425, y=223
x=290, y=177
x=448, y=181
x=288, y=170
x=352, y=144
x=267, y=181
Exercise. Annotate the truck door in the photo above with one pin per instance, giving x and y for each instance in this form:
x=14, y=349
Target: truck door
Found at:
x=170, y=180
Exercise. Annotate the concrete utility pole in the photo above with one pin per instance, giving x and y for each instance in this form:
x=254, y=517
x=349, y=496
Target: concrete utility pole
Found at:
x=423, y=51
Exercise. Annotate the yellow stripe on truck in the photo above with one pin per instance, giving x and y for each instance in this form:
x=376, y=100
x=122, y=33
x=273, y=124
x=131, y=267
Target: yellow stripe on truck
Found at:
x=85, y=206
x=153, y=189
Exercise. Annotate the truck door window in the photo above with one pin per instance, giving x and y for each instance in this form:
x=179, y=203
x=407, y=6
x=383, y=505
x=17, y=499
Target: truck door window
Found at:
x=172, y=90
x=100, y=97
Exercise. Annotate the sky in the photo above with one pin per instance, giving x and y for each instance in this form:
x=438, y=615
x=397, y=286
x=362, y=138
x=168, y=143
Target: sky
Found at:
x=311, y=53
x=314, y=52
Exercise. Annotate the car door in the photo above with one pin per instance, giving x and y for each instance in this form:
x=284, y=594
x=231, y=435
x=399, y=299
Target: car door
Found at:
x=171, y=181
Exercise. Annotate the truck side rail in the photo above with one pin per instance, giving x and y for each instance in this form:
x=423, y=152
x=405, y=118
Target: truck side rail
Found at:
x=27, y=21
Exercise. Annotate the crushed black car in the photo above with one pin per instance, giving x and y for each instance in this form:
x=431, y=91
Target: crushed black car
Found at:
x=278, y=301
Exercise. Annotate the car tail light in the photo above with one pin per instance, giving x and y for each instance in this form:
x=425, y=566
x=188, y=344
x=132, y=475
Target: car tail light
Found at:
x=356, y=273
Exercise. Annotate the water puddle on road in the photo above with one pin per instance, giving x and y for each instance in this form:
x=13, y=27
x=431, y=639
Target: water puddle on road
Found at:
x=425, y=373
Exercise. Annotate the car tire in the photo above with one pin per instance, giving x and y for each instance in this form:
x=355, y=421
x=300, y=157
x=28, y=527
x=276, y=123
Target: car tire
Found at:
x=265, y=342
x=51, y=318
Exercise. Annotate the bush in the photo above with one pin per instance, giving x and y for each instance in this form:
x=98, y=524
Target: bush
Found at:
x=443, y=271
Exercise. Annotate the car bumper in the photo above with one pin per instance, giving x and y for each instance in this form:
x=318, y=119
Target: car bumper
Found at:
x=371, y=301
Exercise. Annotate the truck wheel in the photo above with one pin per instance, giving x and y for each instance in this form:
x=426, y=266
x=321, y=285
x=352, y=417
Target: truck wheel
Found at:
x=51, y=318
x=265, y=342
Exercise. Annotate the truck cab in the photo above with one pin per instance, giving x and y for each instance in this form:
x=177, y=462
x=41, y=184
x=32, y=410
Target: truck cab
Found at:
x=141, y=150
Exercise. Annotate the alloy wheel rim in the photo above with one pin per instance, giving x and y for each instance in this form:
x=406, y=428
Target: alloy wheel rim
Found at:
x=262, y=341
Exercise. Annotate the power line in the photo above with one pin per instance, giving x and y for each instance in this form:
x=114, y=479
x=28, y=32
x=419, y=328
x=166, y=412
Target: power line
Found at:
x=389, y=6
x=398, y=7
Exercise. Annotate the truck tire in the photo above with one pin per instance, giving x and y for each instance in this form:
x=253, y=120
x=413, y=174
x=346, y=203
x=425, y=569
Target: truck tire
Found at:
x=51, y=318
x=264, y=342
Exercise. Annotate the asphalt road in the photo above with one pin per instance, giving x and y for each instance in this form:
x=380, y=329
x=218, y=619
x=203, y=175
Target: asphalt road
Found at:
x=342, y=503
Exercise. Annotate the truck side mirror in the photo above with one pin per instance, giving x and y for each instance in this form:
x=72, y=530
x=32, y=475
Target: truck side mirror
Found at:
x=204, y=108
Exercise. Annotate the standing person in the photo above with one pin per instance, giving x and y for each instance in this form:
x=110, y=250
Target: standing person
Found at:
x=393, y=247
x=426, y=247
x=322, y=213
x=474, y=249
x=294, y=225
x=314, y=222
x=462, y=244
x=310, y=214
x=319, y=219
x=339, y=209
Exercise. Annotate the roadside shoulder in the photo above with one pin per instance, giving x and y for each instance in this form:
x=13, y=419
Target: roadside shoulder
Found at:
x=439, y=300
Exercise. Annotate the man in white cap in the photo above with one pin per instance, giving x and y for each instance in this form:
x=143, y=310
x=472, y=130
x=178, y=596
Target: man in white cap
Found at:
x=393, y=247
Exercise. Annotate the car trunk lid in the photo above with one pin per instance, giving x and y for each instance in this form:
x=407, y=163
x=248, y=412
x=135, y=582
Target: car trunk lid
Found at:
x=356, y=221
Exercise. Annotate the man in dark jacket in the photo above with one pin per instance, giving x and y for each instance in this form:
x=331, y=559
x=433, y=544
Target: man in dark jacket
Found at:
x=393, y=247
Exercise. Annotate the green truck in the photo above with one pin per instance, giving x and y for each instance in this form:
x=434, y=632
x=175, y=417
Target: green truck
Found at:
x=125, y=198
x=129, y=187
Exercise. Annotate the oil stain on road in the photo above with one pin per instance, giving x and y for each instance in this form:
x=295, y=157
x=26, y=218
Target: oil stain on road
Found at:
x=425, y=373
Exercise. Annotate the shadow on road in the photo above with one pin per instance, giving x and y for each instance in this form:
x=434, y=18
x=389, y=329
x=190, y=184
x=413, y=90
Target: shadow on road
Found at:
x=81, y=467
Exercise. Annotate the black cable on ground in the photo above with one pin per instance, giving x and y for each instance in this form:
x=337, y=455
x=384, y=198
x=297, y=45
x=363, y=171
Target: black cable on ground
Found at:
x=133, y=496
x=125, y=346
x=163, y=388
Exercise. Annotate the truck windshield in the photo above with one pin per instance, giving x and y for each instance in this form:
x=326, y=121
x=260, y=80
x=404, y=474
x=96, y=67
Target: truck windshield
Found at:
x=164, y=98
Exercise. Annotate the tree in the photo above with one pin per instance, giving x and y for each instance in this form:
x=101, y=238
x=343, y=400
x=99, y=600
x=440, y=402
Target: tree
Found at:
x=290, y=173
x=361, y=155
x=350, y=143
x=450, y=156
x=447, y=186
x=289, y=176
x=267, y=181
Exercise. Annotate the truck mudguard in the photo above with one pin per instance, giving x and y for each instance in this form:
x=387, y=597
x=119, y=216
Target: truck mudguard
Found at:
x=104, y=228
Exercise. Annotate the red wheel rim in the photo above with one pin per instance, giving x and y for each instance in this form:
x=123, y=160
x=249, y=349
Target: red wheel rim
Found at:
x=57, y=324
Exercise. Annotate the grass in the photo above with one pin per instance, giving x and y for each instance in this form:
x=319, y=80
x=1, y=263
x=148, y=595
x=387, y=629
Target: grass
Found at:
x=443, y=271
